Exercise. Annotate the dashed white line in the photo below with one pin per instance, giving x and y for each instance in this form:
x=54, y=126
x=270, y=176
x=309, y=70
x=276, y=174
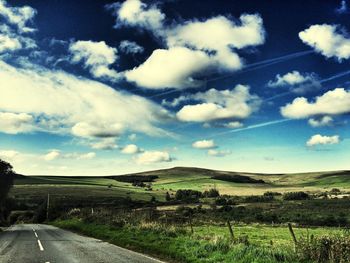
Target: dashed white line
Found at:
x=36, y=235
x=40, y=245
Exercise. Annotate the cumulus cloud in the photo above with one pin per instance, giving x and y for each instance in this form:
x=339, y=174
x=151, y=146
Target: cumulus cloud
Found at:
x=165, y=68
x=206, y=46
x=204, y=144
x=218, y=153
x=332, y=102
x=96, y=56
x=322, y=140
x=75, y=105
x=237, y=103
x=329, y=40
x=219, y=34
x=52, y=155
x=18, y=16
x=130, y=47
x=233, y=125
x=96, y=129
x=149, y=157
x=136, y=13
x=130, y=149
x=321, y=122
x=297, y=81
x=14, y=123
x=104, y=144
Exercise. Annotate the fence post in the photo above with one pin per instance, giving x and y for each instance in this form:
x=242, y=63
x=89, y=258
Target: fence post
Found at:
x=292, y=234
x=191, y=224
x=230, y=229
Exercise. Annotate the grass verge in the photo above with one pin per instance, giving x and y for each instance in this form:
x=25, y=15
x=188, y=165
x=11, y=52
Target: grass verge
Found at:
x=176, y=244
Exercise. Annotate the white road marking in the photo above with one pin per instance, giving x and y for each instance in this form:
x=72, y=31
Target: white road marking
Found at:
x=36, y=235
x=40, y=245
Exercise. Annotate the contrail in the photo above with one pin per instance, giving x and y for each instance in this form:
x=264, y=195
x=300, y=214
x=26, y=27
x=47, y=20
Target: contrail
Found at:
x=251, y=127
x=339, y=75
x=265, y=63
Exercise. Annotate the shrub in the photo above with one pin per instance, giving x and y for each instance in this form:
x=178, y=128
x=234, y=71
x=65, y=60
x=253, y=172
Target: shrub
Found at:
x=187, y=195
x=258, y=198
x=330, y=249
x=296, y=196
x=211, y=193
x=268, y=193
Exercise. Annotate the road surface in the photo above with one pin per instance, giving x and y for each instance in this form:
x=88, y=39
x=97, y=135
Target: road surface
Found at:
x=48, y=244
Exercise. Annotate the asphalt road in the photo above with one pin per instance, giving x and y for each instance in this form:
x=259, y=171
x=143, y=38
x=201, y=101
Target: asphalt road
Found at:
x=48, y=244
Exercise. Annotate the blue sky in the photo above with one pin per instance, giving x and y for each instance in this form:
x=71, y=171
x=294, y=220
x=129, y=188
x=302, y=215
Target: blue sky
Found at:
x=104, y=87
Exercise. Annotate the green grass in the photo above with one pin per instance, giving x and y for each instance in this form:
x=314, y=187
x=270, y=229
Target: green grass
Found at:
x=267, y=244
x=179, y=245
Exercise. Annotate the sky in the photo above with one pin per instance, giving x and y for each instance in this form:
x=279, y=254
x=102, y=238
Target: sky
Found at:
x=106, y=88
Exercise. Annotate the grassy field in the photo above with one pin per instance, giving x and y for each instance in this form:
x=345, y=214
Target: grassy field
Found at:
x=188, y=178
x=253, y=243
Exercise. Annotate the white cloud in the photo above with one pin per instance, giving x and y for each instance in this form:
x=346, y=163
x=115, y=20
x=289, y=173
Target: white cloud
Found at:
x=80, y=156
x=136, y=13
x=218, y=153
x=236, y=103
x=320, y=122
x=14, y=123
x=299, y=82
x=96, y=129
x=104, y=144
x=96, y=56
x=130, y=47
x=233, y=125
x=149, y=157
x=204, y=144
x=70, y=102
x=130, y=149
x=343, y=8
x=9, y=44
x=56, y=154
x=332, y=102
x=19, y=16
x=52, y=155
x=165, y=68
x=8, y=155
x=322, y=140
x=206, y=46
x=132, y=137
x=221, y=35
x=329, y=40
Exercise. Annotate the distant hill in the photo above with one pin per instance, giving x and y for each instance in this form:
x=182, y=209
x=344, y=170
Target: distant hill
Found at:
x=234, y=183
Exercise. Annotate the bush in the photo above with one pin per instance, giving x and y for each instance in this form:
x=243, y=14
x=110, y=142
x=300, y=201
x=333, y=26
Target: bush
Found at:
x=296, y=196
x=259, y=198
x=187, y=195
x=272, y=193
x=211, y=193
x=330, y=249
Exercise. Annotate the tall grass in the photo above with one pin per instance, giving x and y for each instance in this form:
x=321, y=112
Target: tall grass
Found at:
x=176, y=243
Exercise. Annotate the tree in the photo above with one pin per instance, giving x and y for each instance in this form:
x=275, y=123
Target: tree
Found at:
x=6, y=182
x=6, y=179
x=167, y=196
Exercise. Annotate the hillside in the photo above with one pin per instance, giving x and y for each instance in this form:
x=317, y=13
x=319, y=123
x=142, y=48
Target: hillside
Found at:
x=172, y=179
